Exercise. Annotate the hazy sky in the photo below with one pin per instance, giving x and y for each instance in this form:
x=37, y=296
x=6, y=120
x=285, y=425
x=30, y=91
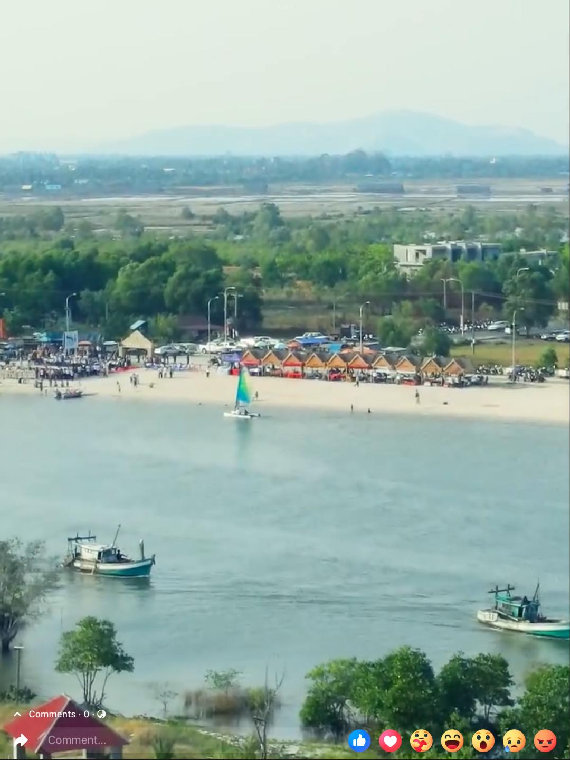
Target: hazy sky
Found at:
x=75, y=73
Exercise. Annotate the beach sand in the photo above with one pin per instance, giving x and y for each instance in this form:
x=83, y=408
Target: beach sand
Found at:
x=547, y=403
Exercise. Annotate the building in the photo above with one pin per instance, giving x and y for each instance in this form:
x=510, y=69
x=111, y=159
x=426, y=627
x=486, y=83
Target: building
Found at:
x=541, y=258
x=410, y=258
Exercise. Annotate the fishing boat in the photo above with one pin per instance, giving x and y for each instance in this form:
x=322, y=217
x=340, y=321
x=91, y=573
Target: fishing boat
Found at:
x=67, y=394
x=513, y=613
x=87, y=556
x=243, y=397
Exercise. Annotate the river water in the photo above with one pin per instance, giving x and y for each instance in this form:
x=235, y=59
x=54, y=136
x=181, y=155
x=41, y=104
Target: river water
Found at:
x=285, y=542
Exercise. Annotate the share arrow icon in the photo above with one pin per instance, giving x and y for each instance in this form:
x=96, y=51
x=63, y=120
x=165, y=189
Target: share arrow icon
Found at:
x=20, y=741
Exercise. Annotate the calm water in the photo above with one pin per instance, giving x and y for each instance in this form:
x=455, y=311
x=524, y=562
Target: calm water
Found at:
x=284, y=543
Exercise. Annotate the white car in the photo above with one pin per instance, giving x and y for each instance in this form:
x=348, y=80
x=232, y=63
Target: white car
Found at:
x=251, y=342
x=563, y=337
x=500, y=325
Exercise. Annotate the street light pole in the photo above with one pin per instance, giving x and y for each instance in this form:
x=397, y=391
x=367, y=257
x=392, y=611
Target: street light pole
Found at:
x=514, y=326
x=361, y=310
x=444, y=297
x=513, y=353
x=214, y=298
x=67, y=311
x=226, y=291
x=473, y=322
x=18, y=649
x=456, y=279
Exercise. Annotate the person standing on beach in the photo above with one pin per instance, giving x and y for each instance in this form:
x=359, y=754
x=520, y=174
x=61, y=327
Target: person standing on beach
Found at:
x=118, y=386
x=417, y=396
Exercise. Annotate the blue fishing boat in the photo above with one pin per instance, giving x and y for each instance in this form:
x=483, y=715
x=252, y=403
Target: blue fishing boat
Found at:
x=87, y=556
x=513, y=613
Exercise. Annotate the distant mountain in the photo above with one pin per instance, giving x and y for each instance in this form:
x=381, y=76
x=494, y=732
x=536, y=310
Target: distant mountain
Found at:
x=391, y=132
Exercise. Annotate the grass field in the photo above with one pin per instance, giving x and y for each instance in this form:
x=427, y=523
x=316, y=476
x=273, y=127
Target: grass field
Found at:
x=528, y=352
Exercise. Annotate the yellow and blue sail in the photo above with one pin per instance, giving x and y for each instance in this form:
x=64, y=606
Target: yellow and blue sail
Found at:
x=243, y=393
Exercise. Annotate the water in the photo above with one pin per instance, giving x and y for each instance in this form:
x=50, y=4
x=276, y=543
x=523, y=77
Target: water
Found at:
x=285, y=542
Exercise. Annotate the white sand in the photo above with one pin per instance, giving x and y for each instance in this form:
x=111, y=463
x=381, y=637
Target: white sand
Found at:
x=548, y=402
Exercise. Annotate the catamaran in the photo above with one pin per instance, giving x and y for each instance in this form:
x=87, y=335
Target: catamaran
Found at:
x=512, y=613
x=243, y=397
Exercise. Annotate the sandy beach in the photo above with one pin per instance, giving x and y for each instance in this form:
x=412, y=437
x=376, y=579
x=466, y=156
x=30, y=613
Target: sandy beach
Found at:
x=546, y=403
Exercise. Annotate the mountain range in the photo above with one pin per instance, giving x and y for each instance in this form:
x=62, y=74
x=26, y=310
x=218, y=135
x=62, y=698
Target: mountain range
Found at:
x=390, y=132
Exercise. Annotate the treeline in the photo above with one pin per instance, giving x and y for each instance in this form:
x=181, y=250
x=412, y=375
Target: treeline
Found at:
x=401, y=691
x=86, y=175
x=130, y=273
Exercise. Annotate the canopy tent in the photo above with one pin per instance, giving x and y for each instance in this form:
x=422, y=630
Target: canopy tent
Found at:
x=137, y=343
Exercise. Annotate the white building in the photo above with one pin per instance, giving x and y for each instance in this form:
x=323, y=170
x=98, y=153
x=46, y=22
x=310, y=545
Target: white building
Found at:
x=410, y=258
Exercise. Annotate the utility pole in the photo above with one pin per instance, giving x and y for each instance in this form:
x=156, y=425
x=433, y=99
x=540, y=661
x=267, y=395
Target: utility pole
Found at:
x=226, y=291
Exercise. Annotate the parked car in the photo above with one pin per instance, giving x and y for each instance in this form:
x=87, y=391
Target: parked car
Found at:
x=498, y=326
x=563, y=337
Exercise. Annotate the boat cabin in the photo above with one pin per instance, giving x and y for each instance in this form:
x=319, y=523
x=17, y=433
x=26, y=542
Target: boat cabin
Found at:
x=92, y=552
x=517, y=608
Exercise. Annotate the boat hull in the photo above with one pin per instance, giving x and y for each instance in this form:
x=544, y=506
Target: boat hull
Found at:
x=237, y=416
x=550, y=629
x=136, y=569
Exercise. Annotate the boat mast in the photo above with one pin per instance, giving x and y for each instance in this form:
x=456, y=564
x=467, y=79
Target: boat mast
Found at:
x=116, y=534
x=535, y=596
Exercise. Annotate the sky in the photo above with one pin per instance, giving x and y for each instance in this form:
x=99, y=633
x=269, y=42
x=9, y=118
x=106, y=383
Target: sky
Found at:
x=78, y=73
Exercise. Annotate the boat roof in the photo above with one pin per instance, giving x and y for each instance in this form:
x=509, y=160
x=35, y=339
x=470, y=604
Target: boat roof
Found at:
x=99, y=547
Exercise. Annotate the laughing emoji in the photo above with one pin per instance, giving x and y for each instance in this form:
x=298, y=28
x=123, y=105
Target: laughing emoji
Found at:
x=483, y=740
x=452, y=740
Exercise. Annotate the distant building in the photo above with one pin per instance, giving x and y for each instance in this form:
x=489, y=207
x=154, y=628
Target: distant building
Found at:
x=542, y=258
x=465, y=191
x=410, y=258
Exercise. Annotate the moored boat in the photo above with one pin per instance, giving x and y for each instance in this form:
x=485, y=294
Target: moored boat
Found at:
x=87, y=556
x=67, y=394
x=513, y=613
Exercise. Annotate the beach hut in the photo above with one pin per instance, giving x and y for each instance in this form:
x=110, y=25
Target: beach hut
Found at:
x=385, y=363
x=272, y=360
x=292, y=365
x=407, y=368
x=316, y=364
x=431, y=369
x=136, y=343
x=359, y=365
x=252, y=357
x=459, y=367
x=336, y=367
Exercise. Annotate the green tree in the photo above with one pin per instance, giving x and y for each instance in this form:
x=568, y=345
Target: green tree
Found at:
x=545, y=703
x=163, y=328
x=394, y=332
x=530, y=293
x=492, y=683
x=326, y=709
x=25, y=581
x=548, y=358
x=89, y=651
x=435, y=342
x=222, y=680
x=397, y=691
x=128, y=225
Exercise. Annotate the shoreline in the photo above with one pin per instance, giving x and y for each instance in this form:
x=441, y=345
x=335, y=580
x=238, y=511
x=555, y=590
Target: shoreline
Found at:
x=547, y=403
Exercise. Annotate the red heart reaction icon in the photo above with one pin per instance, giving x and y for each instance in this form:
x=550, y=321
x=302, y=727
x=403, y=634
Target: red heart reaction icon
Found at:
x=390, y=740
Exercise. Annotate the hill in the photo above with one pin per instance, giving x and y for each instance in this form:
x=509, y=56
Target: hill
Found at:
x=390, y=132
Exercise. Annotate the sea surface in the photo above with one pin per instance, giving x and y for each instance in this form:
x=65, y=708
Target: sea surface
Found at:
x=283, y=543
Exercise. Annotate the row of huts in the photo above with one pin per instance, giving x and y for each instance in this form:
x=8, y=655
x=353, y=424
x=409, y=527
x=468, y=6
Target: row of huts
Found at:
x=299, y=363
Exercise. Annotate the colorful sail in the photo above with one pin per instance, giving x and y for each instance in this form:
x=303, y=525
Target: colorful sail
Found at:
x=243, y=394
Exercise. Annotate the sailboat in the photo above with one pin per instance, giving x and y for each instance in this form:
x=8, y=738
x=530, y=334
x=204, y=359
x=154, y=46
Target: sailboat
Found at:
x=243, y=397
